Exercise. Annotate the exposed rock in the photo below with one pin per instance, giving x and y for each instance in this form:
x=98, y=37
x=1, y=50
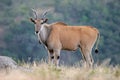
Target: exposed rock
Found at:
x=7, y=62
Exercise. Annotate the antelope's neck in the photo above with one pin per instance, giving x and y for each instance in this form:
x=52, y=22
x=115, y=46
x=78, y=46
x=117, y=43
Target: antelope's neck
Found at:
x=43, y=33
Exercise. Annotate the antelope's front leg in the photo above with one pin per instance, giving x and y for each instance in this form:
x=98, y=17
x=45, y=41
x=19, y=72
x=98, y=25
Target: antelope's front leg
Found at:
x=56, y=57
x=50, y=56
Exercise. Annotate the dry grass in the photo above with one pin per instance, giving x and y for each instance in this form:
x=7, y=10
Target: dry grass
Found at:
x=46, y=72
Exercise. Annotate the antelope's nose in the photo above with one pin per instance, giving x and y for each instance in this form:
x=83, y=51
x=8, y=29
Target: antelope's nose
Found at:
x=36, y=32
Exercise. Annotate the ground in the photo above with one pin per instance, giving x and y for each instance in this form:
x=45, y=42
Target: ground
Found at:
x=43, y=71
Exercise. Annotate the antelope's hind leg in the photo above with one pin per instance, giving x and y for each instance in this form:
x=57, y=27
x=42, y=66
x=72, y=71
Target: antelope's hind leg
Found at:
x=87, y=57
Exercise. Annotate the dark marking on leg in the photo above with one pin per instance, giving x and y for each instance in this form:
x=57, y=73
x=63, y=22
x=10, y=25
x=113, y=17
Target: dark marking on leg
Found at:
x=58, y=57
x=51, y=51
x=52, y=57
x=84, y=57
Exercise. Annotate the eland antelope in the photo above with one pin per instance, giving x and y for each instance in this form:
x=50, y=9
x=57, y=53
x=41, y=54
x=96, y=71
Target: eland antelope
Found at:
x=60, y=36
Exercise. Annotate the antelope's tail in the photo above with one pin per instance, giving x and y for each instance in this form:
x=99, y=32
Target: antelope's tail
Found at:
x=97, y=42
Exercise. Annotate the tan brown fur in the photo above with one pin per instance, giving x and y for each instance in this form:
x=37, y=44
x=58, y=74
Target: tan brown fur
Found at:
x=59, y=23
x=74, y=35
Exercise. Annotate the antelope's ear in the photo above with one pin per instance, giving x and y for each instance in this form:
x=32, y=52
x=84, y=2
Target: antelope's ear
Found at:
x=32, y=20
x=45, y=20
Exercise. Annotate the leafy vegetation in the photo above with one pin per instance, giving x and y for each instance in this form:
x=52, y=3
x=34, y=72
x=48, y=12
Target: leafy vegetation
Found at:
x=17, y=38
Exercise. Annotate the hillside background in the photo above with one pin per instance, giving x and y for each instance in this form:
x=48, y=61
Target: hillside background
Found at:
x=17, y=38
